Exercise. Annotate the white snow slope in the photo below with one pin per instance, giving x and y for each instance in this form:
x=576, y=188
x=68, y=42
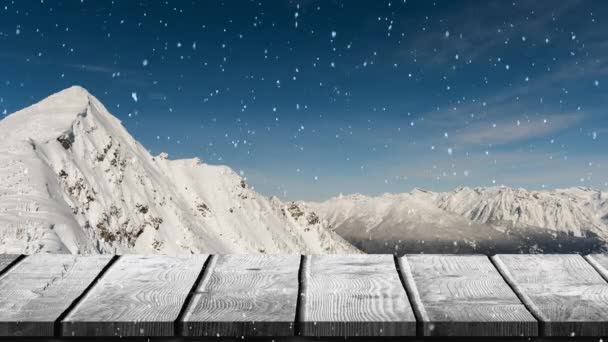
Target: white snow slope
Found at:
x=485, y=220
x=72, y=180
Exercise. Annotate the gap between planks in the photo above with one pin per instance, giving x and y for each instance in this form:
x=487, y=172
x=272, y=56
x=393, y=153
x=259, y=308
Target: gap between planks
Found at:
x=355, y=295
x=11, y=264
x=521, y=294
x=58, y=323
x=203, y=275
x=141, y=295
x=304, y=260
x=542, y=319
x=411, y=291
x=523, y=298
x=598, y=268
x=463, y=295
x=245, y=296
x=577, y=280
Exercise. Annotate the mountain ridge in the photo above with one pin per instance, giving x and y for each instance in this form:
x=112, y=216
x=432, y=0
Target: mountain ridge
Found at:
x=74, y=180
x=478, y=219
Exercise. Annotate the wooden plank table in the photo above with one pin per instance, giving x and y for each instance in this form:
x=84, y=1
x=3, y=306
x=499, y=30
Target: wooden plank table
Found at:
x=464, y=295
x=138, y=296
x=566, y=294
x=354, y=295
x=37, y=291
x=245, y=295
x=314, y=296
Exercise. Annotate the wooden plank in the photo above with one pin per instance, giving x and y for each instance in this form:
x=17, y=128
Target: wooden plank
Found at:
x=564, y=292
x=138, y=296
x=354, y=295
x=6, y=260
x=245, y=295
x=464, y=295
x=36, y=292
x=600, y=263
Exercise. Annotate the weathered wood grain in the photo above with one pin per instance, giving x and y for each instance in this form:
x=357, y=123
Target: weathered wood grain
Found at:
x=600, y=263
x=36, y=292
x=563, y=291
x=464, y=295
x=6, y=260
x=354, y=295
x=245, y=295
x=138, y=296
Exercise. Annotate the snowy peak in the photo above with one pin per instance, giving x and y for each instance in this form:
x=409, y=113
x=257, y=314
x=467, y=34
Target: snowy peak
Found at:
x=74, y=180
x=47, y=118
x=72, y=99
x=74, y=95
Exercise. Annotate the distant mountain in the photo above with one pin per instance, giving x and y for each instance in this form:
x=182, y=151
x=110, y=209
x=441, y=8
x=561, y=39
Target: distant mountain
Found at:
x=72, y=180
x=483, y=220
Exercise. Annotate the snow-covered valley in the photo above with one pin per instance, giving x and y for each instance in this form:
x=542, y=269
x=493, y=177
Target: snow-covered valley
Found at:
x=73, y=180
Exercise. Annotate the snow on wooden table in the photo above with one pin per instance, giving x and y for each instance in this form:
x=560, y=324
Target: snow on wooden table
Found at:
x=354, y=295
x=289, y=295
x=245, y=295
x=565, y=293
x=39, y=289
x=464, y=295
x=137, y=296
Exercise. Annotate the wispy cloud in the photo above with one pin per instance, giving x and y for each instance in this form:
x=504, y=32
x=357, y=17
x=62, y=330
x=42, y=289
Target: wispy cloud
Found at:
x=128, y=77
x=517, y=113
x=30, y=58
x=103, y=69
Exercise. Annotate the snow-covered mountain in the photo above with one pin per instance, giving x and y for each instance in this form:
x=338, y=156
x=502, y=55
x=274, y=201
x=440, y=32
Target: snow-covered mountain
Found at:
x=486, y=220
x=73, y=180
x=574, y=210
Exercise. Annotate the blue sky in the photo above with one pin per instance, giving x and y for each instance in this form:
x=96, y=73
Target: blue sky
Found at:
x=309, y=99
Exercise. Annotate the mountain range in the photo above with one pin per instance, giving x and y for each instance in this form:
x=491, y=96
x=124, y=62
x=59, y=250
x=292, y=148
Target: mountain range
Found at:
x=73, y=180
x=469, y=220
